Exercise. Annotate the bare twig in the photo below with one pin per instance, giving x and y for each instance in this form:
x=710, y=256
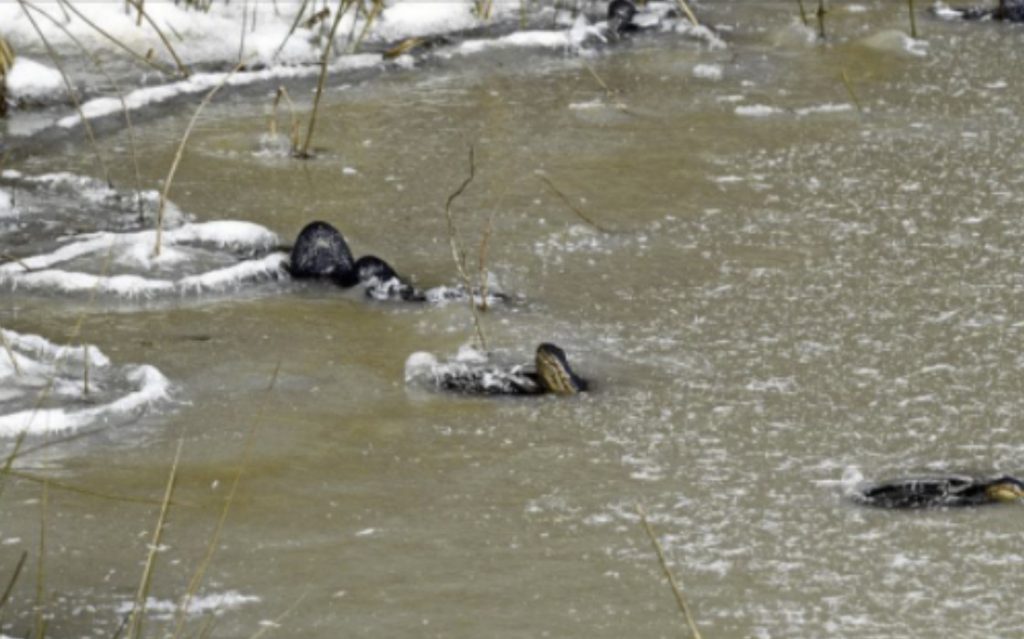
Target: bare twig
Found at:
x=677, y=588
x=485, y=242
x=178, y=154
x=913, y=19
x=459, y=254
x=575, y=209
x=822, y=12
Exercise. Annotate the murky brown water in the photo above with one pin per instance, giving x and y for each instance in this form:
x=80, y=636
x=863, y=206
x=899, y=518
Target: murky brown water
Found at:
x=786, y=299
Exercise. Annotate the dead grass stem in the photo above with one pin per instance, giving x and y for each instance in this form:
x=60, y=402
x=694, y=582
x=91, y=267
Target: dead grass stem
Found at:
x=677, y=587
x=72, y=94
x=14, y=579
x=572, y=207
x=178, y=154
x=132, y=146
x=343, y=6
x=135, y=623
x=160, y=34
x=685, y=8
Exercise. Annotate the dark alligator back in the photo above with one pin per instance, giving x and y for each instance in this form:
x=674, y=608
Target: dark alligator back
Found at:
x=321, y=252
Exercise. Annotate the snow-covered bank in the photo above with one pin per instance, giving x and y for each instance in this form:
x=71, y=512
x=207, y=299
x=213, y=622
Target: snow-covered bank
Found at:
x=43, y=387
x=277, y=42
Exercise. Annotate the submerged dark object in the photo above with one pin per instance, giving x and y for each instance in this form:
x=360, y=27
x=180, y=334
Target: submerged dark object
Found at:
x=320, y=252
x=1006, y=10
x=946, y=491
x=620, y=17
x=552, y=375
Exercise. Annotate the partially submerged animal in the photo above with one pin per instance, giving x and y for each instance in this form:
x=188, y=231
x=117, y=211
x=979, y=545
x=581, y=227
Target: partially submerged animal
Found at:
x=321, y=253
x=552, y=374
x=943, y=491
x=1006, y=10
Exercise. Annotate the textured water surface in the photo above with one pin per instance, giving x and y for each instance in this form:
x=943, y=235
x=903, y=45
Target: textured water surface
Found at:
x=790, y=294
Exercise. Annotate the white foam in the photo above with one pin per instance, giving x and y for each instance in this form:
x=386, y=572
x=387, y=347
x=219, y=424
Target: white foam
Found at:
x=708, y=71
x=214, y=603
x=35, y=365
x=757, y=110
x=828, y=107
x=30, y=80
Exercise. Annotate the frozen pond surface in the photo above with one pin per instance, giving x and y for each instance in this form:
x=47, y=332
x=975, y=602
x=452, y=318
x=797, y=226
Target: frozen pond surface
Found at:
x=791, y=294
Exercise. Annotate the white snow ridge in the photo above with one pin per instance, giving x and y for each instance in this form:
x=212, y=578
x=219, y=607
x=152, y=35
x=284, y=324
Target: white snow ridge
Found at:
x=43, y=387
x=126, y=264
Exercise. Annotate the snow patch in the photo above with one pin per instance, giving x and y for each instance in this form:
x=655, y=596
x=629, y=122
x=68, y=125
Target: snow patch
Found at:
x=30, y=80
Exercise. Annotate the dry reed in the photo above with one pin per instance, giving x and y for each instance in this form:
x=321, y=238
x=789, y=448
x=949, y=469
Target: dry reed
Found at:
x=40, y=607
x=10, y=353
x=167, y=43
x=822, y=12
x=849, y=89
x=685, y=8
x=6, y=62
x=146, y=60
x=13, y=580
x=293, y=135
x=120, y=95
x=211, y=547
x=342, y=7
x=913, y=19
x=378, y=6
x=134, y=630
x=70, y=89
x=677, y=588
x=177, y=157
